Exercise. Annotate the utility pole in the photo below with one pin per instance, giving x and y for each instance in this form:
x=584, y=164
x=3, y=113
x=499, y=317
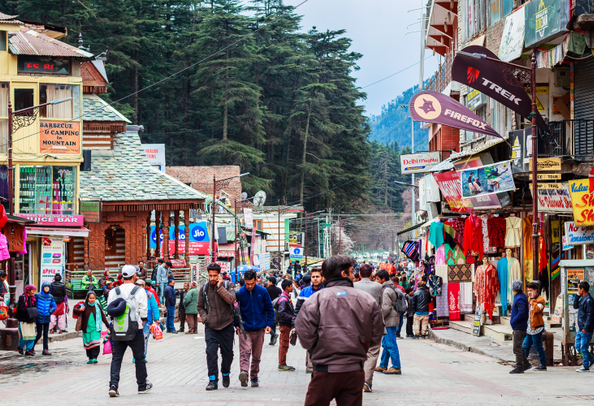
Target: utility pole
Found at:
x=305, y=242
x=339, y=233
x=280, y=265
x=421, y=76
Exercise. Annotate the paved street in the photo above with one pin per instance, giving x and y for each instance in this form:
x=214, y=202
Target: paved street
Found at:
x=433, y=374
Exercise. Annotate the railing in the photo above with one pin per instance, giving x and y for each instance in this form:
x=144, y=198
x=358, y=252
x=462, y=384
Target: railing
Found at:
x=443, y=76
x=568, y=137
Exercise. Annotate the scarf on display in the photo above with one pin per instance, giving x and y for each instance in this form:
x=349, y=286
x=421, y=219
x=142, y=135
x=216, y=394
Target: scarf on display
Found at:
x=411, y=250
x=454, y=300
x=503, y=275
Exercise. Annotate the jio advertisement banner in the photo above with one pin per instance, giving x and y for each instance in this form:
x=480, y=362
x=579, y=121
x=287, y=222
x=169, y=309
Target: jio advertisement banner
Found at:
x=199, y=239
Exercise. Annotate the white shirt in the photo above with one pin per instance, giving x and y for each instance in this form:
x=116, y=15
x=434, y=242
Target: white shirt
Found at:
x=140, y=296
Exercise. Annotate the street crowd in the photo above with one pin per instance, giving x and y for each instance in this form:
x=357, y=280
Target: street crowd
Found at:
x=343, y=314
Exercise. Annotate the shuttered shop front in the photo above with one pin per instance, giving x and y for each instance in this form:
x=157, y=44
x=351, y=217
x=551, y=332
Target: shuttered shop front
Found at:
x=584, y=107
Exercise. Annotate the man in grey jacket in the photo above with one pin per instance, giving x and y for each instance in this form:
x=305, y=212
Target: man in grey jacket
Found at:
x=391, y=321
x=375, y=290
x=339, y=336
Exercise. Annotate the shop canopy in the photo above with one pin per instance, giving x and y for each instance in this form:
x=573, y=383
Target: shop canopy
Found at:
x=58, y=231
x=406, y=230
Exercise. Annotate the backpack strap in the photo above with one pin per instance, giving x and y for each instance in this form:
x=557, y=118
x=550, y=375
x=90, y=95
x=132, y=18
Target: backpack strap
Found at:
x=204, y=291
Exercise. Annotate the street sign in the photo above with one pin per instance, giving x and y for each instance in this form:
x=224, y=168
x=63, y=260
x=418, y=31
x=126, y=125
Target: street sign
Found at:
x=296, y=253
x=547, y=176
x=547, y=164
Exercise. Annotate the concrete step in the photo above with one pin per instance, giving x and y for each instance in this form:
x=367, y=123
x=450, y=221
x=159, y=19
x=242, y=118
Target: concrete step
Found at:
x=462, y=325
x=498, y=332
x=505, y=321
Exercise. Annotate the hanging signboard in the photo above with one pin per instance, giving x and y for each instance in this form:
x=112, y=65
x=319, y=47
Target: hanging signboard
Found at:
x=554, y=198
x=475, y=99
x=52, y=258
x=545, y=19
x=451, y=188
x=512, y=40
x=91, y=210
x=419, y=162
x=155, y=154
x=582, y=202
x=578, y=235
x=59, y=137
x=248, y=219
x=547, y=164
x=296, y=253
x=546, y=176
x=488, y=179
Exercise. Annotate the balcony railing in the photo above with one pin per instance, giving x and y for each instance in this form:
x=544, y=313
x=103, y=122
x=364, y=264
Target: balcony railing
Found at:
x=443, y=76
x=568, y=137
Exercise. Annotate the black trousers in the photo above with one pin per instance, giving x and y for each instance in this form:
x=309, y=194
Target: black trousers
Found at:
x=182, y=318
x=518, y=339
x=93, y=353
x=409, y=325
x=216, y=339
x=118, y=349
x=42, y=327
x=273, y=332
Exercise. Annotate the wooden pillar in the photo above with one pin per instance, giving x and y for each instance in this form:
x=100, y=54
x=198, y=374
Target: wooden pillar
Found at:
x=176, y=219
x=187, y=233
x=86, y=255
x=158, y=233
x=166, y=215
x=148, y=237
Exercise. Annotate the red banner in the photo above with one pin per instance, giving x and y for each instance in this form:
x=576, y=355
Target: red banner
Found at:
x=196, y=247
x=454, y=300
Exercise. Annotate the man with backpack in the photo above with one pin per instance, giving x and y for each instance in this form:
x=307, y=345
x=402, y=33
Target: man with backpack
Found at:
x=392, y=303
x=216, y=301
x=285, y=314
x=421, y=300
x=127, y=306
x=257, y=315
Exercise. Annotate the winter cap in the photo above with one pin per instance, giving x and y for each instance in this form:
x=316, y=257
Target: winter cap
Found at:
x=117, y=307
x=30, y=287
x=517, y=285
x=194, y=284
x=128, y=271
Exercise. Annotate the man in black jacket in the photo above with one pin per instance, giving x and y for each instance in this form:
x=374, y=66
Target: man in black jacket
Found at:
x=420, y=302
x=58, y=318
x=274, y=292
x=585, y=304
x=182, y=307
x=285, y=316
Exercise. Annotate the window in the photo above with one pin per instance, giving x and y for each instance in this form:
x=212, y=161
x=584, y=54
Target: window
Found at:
x=47, y=189
x=258, y=224
x=23, y=98
x=44, y=64
x=67, y=109
x=2, y=40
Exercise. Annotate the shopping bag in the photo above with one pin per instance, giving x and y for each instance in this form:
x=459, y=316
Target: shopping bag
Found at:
x=157, y=332
x=3, y=312
x=106, y=342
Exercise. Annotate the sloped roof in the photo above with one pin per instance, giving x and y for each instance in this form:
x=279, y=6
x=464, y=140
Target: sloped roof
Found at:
x=8, y=19
x=34, y=43
x=96, y=109
x=124, y=174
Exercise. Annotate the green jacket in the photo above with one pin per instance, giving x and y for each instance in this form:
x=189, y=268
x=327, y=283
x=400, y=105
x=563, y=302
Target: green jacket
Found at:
x=86, y=282
x=191, y=301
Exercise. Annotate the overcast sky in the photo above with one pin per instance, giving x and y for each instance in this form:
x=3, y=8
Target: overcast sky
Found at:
x=378, y=29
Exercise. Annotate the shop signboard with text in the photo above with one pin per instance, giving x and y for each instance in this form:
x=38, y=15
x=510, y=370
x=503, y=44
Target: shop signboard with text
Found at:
x=61, y=220
x=575, y=235
x=419, y=162
x=450, y=186
x=554, y=198
x=52, y=258
x=59, y=137
x=582, y=202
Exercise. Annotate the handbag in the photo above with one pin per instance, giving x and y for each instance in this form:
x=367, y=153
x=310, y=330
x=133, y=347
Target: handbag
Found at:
x=293, y=338
x=106, y=343
x=78, y=326
x=32, y=313
x=3, y=312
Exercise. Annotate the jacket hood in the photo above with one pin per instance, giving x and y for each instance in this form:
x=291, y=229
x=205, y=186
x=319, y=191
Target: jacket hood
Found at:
x=43, y=285
x=339, y=282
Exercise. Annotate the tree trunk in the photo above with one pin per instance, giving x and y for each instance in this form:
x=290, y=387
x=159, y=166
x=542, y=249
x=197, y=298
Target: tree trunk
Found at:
x=304, y=152
x=225, y=105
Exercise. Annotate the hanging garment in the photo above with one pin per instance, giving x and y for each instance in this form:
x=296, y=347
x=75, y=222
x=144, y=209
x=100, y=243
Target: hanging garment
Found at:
x=441, y=302
x=436, y=234
x=440, y=255
x=435, y=284
x=4, y=254
x=473, y=236
x=466, y=298
x=512, y=232
x=514, y=269
x=442, y=271
x=459, y=257
x=527, y=236
x=459, y=227
x=411, y=250
x=486, y=245
x=543, y=264
x=449, y=232
x=454, y=300
x=503, y=275
x=450, y=254
x=14, y=235
x=496, y=229
x=486, y=286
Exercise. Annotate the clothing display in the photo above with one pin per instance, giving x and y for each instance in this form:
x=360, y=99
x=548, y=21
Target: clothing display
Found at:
x=496, y=228
x=503, y=275
x=459, y=227
x=442, y=271
x=14, y=234
x=412, y=250
x=450, y=254
x=512, y=232
x=460, y=258
x=436, y=234
x=454, y=300
x=440, y=255
x=487, y=249
x=527, y=237
x=460, y=273
x=466, y=298
x=435, y=283
x=473, y=236
x=486, y=286
x=441, y=302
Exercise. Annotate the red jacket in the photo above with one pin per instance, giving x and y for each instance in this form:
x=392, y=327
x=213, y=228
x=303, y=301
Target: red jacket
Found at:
x=155, y=295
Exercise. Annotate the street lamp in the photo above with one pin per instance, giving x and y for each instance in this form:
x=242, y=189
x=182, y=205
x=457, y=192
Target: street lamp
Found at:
x=524, y=72
x=405, y=184
x=224, y=182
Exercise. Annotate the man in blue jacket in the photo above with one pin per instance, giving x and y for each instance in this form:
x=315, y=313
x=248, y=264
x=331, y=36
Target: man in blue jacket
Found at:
x=170, y=299
x=46, y=305
x=585, y=304
x=519, y=324
x=257, y=314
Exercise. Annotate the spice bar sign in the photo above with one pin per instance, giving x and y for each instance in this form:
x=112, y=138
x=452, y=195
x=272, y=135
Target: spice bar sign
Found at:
x=54, y=219
x=582, y=202
x=59, y=137
x=418, y=163
x=578, y=235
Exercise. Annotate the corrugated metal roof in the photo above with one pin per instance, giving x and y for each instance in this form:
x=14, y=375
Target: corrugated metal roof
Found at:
x=8, y=19
x=34, y=43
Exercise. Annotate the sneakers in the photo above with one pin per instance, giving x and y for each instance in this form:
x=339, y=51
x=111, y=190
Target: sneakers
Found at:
x=90, y=361
x=393, y=371
x=415, y=337
x=187, y=332
x=172, y=331
x=380, y=369
x=212, y=385
x=46, y=352
x=145, y=389
x=285, y=368
x=367, y=387
x=243, y=378
x=20, y=350
x=113, y=392
x=226, y=381
x=540, y=368
x=95, y=361
x=30, y=353
x=255, y=383
x=527, y=367
x=308, y=370
x=516, y=371
x=582, y=369
x=273, y=341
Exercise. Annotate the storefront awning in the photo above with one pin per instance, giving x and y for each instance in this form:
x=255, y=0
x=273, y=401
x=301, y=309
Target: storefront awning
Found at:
x=406, y=230
x=62, y=231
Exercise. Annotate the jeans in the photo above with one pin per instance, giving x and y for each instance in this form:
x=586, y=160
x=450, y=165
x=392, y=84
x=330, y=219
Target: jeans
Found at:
x=399, y=327
x=582, y=344
x=119, y=348
x=390, y=349
x=170, y=317
x=216, y=339
x=535, y=340
x=162, y=292
x=146, y=332
x=42, y=327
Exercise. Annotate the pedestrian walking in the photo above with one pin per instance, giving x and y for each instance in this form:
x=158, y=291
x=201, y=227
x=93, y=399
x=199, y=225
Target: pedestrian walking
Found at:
x=4, y=292
x=535, y=325
x=285, y=315
x=182, y=307
x=585, y=319
x=399, y=283
x=421, y=300
x=391, y=317
x=58, y=317
x=162, y=279
x=27, y=313
x=519, y=324
x=375, y=290
x=316, y=285
x=170, y=300
x=257, y=315
x=92, y=319
x=191, y=308
x=46, y=305
x=274, y=293
x=216, y=301
x=410, y=313
x=153, y=315
x=127, y=305
x=338, y=325
x=151, y=288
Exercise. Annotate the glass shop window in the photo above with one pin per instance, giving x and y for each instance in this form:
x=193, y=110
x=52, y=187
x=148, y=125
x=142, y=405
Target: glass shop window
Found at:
x=47, y=189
